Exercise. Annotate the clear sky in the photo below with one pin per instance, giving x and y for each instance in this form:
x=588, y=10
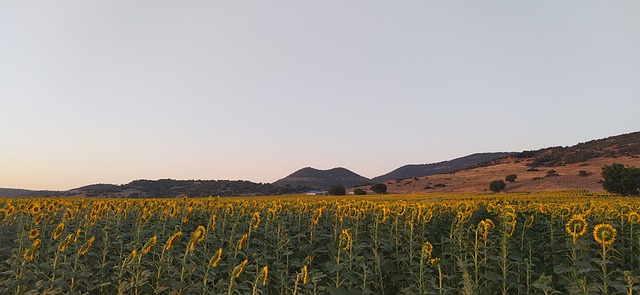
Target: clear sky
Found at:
x=111, y=91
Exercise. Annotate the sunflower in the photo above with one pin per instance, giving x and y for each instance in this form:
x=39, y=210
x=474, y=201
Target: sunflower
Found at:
x=604, y=234
x=239, y=268
x=634, y=217
x=173, y=240
x=65, y=243
x=576, y=226
x=216, y=258
x=86, y=246
x=196, y=237
x=56, y=233
x=36, y=209
x=543, y=209
x=530, y=221
x=147, y=246
x=509, y=217
x=427, y=249
x=305, y=274
x=564, y=212
x=34, y=233
x=241, y=242
x=264, y=274
x=345, y=239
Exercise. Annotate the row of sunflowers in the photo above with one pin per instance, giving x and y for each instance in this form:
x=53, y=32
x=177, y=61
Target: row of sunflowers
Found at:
x=543, y=243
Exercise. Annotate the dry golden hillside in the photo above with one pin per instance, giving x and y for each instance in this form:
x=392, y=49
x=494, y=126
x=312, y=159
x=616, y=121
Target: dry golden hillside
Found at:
x=478, y=179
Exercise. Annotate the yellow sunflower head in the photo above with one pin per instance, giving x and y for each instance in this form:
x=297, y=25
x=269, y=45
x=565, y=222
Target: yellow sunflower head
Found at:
x=604, y=234
x=634, y=217
x=576, y=226
x=34, y=233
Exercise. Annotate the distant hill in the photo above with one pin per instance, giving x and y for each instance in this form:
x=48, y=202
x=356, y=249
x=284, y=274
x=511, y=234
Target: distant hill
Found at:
x=164, y=188
x=420, y=170
x=610, y=147
x=322, y=179
x=12, y=192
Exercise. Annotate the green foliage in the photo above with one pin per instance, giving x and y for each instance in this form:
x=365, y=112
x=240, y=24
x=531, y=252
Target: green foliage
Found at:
x=337, y=190
x=583, y=173
x=497, y=185
x=460, y=244
x=359, y=192
x=511, y=178
x=622, y=180
x=379, y=188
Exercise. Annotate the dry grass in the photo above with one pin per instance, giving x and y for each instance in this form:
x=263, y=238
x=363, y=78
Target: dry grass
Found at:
x=477, y=180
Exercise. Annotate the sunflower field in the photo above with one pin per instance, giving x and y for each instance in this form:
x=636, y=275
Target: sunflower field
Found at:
x=538, y=243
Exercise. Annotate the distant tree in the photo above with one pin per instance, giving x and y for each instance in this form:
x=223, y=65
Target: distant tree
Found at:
x=583, y=173
x=497, y=185
x=552, y=173
x=622, y=180
x=379, y=188
x=359, y=192
x=337, y=190
x=511, y=178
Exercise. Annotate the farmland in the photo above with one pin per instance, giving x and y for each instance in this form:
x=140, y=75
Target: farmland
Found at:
x=535, y=243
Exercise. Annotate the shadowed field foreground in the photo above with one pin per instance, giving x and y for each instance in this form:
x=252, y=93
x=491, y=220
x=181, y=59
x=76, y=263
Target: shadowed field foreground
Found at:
x=398, y=244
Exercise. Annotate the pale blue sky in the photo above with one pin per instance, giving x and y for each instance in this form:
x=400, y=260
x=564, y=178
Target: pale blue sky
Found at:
x=112, y=91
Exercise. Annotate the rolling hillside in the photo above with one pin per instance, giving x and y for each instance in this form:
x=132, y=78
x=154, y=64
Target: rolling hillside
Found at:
x=420, y=170
x=322, y=179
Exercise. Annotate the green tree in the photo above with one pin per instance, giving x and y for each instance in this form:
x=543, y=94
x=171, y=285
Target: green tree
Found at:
x=622, y=180
x=337, y=190
x=379, y=188
x=511, y=178
x=359, y=192
x=497, y=185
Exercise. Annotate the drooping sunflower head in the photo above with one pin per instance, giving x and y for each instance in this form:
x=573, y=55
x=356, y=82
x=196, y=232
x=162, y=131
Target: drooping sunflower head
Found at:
x=86, y=246
x=65, y=243
x=173, y=240
x=264, y=273
x=239, y=268
x=241, y=242
x=543, y=209
x=530, y=221
x=345, y=240
x=39, y=219
x=510, y=217
x=564, y=212
x=576, y=226
x=216, y=258
x=196, y=237
x=305, y=274
x=427, y=249
x=255, y=220
x=604, y=234
x=149, y=244
x=58, y=231
x=612, y=214
x=623, y=209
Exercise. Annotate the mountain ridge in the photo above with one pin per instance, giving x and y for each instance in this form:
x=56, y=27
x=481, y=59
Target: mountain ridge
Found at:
x=322, y=179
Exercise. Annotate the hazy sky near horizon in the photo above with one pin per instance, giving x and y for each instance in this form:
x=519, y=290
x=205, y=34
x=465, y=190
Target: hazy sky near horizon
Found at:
x=112, y=91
